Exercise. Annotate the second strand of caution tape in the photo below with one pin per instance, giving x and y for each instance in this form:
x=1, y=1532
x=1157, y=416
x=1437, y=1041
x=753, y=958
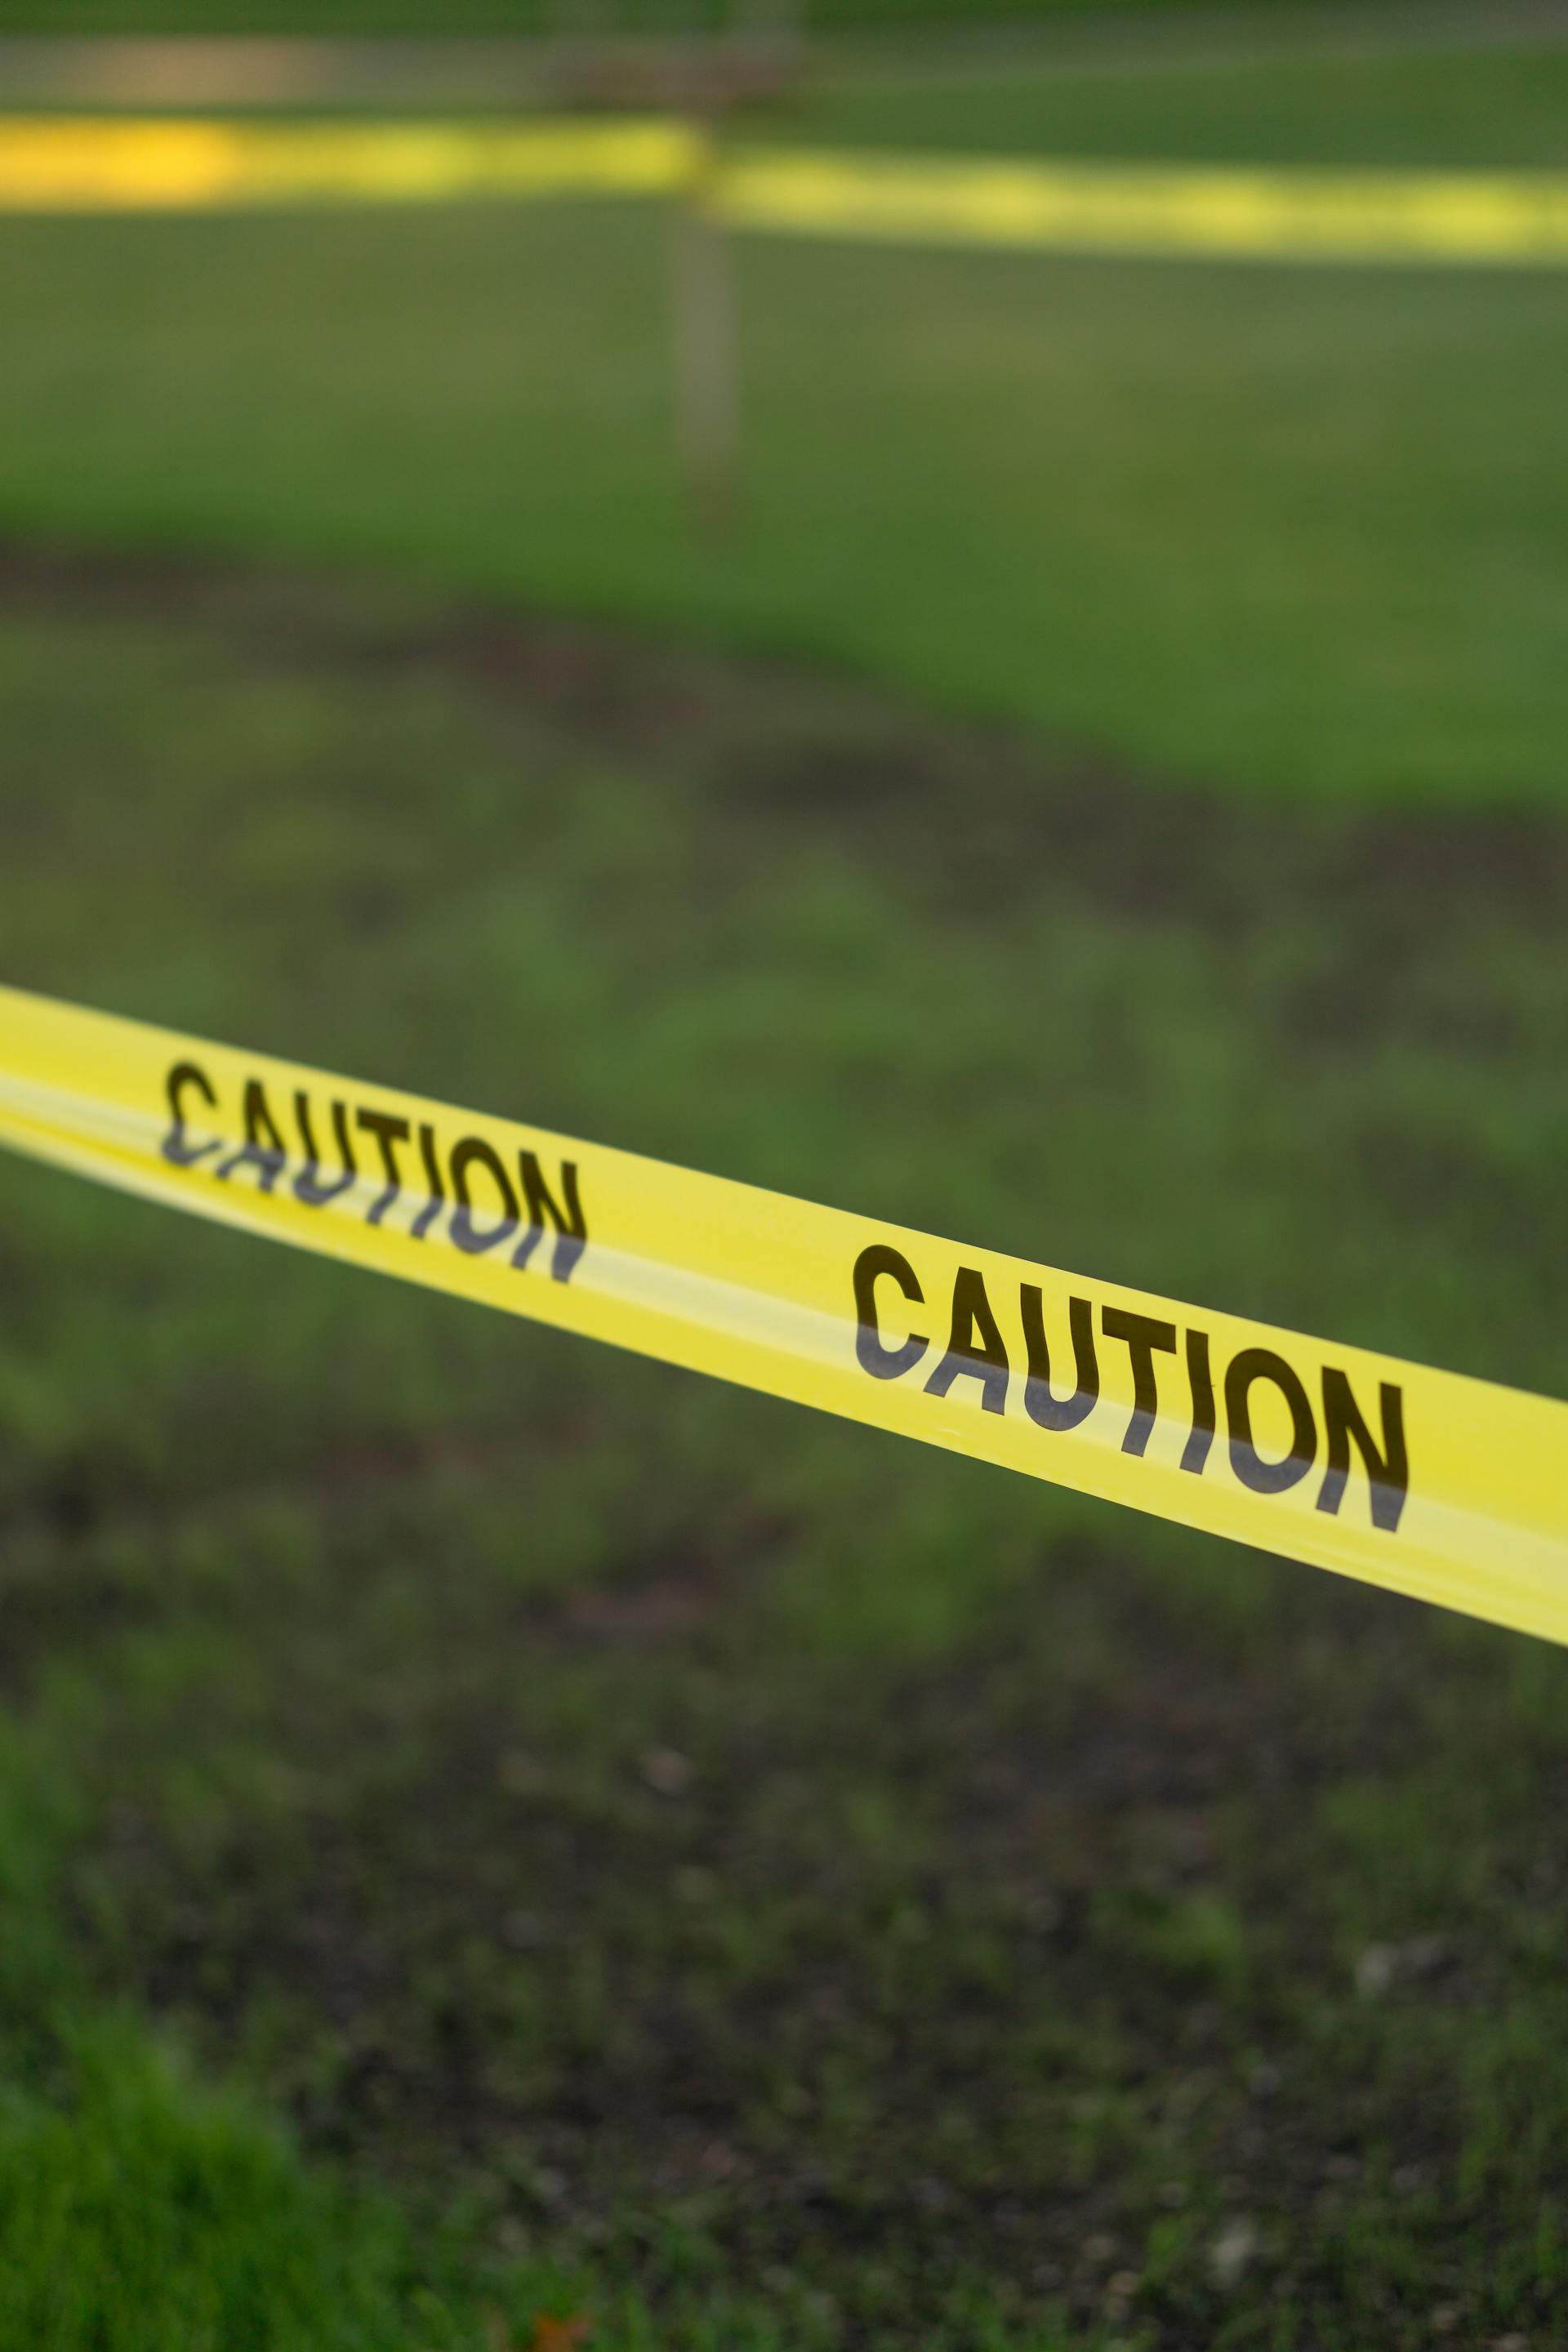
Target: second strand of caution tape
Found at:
x=152, y=165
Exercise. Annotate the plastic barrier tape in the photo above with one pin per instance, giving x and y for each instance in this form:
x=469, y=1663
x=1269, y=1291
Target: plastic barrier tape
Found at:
x=1435, y=1486
x=89, y=163
x=1364, y=216
x=86, y=163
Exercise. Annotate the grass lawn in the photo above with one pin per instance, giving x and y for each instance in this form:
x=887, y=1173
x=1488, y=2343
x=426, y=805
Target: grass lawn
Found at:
x=448, y=18
x=490, y=1828
x=660, y=1850
x=1293, y=530
x=1280, y=100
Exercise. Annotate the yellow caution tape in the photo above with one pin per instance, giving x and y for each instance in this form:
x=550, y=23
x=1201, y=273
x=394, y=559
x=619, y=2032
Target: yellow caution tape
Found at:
x=1364, y=216
x=89, y=163
x=1432, y=1484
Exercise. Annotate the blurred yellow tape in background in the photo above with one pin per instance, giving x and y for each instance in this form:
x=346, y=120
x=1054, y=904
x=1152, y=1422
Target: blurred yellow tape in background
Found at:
x=1446, y=1488
x=89, y=164
x=1094, y=208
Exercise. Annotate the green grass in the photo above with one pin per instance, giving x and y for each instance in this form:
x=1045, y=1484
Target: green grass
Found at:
x=488, y=1827
x=1441, y=108
x=1299, y=532
x=446, y=19
x=148, y=2212
x=1053, y=1929
x=1296, y=531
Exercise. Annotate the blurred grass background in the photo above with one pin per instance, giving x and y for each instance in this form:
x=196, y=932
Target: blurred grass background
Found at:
x=362, y=18
x=1288, y=530
x=490, y=1828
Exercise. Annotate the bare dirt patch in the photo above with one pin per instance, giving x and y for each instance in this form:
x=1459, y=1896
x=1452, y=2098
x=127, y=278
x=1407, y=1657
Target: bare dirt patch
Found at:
x=976, y=811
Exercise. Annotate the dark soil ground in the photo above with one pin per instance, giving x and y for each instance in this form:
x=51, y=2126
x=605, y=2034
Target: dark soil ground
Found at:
x=726, y=1849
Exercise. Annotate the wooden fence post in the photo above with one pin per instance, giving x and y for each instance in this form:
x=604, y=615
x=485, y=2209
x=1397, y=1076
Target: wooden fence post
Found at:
x=705, y=353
